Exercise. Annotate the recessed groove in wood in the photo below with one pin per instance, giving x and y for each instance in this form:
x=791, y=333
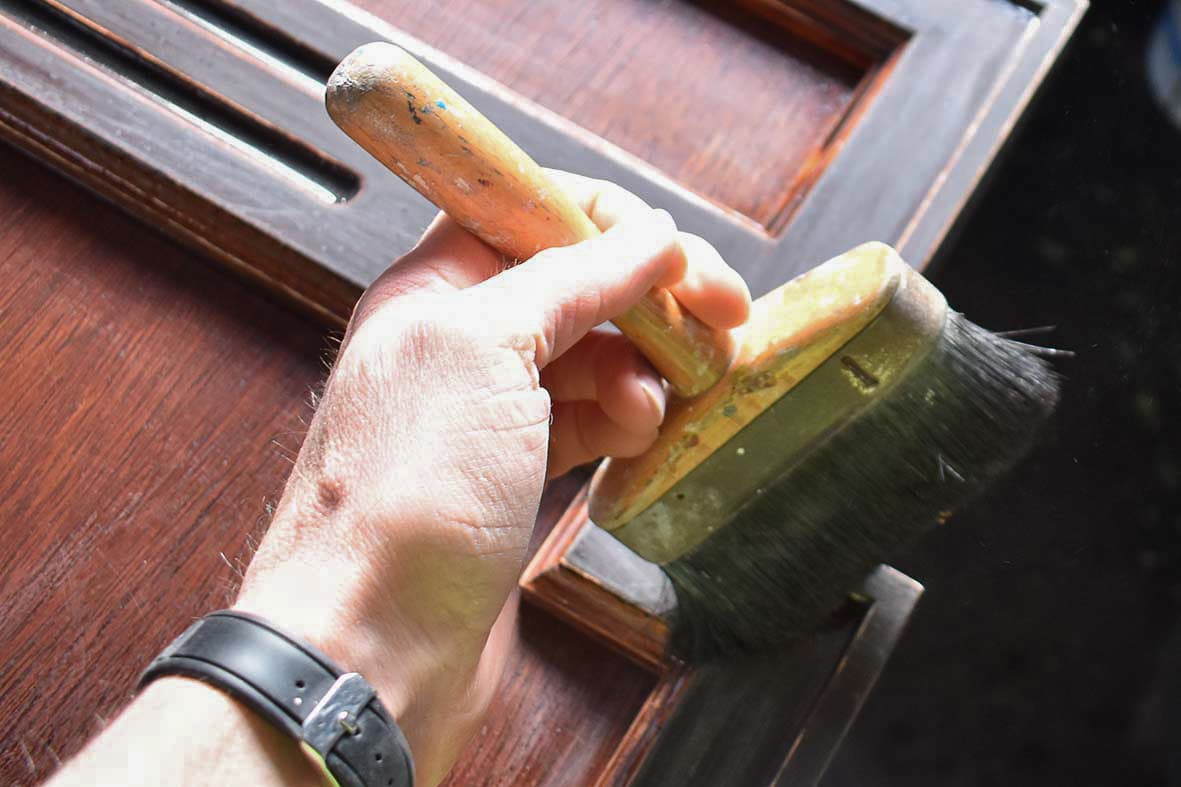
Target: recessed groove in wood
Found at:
x=854, y=32
x=302, y=165
x=320, y=254
x=1032, y=6
x=240, y=28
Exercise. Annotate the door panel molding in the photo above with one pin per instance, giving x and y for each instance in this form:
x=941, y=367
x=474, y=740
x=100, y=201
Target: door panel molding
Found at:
x=900, y=168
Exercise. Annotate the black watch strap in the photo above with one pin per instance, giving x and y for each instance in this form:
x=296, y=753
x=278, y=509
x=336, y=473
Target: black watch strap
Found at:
x=296, y=687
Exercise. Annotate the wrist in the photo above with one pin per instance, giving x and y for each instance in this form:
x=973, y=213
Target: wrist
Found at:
x=240, y=742
x=416, y=678
x=178, y=727
x=407, y=601
x=318, y=609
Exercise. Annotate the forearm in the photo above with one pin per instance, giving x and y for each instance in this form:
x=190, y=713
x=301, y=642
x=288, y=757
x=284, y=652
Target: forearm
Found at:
x=182, y=732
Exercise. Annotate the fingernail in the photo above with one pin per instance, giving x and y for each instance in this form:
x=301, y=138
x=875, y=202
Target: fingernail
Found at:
x=655, y=394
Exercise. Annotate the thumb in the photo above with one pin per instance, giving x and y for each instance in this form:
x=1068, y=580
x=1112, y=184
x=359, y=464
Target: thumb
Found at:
x=559, y=294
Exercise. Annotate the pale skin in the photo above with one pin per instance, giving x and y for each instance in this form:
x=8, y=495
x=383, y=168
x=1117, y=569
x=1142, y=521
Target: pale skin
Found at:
x=459, y=389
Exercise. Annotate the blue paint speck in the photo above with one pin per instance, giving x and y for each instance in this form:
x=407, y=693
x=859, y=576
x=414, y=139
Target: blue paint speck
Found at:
x=440, y=105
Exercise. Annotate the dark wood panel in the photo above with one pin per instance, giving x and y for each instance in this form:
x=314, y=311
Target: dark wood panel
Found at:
x=147, y=387
x=151, y=407
x=114, y=112
x=620, y=598
x=720, y=98
x=143, y=397
x=563, y=708
x=566, y=702
x=112, y=103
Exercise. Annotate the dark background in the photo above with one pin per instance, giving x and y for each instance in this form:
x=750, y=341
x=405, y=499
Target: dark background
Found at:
x=1046, y=647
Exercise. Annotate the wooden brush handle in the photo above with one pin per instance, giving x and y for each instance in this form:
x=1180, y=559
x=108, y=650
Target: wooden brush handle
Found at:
x=407, y=118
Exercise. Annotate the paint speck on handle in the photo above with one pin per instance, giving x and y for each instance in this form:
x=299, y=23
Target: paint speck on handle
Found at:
x=440, y=104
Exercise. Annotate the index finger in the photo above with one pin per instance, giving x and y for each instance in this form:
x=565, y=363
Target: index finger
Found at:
x=603, y=201
x=713, y=291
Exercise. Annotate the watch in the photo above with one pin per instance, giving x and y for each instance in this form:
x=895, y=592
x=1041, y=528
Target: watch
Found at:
x=335, y=715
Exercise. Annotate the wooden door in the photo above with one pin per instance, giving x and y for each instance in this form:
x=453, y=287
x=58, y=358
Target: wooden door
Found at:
x=153, y=402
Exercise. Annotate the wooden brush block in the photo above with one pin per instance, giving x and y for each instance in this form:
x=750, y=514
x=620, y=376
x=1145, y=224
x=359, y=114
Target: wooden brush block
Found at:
x=791, y=331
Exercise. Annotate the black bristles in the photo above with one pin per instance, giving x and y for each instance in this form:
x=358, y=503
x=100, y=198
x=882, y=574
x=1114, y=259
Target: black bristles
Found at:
x=962, y=417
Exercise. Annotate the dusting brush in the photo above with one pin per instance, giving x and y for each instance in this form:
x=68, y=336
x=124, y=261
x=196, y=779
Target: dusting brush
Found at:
x=852, y=413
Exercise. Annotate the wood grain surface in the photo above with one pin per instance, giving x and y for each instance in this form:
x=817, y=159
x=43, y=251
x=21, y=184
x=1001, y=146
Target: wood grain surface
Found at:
x=562, y=710
x=205, y=118
x=724, y=102
x=142, y=398
x=593, y=603
x=143, y=391
x=151, y=406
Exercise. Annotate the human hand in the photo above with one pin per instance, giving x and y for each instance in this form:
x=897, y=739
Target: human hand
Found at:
x=459, y=388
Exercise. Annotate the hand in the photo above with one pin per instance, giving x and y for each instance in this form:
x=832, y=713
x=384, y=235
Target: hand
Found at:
x=460, y=386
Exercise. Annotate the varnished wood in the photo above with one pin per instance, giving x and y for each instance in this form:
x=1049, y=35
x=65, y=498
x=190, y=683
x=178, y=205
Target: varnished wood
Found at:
x=561, y=711
x=751, y=721
x=753, y=86
x=164, y=109
x=645, y=730
x=440, y=145
x=990, y=56
x=152, y=409
x=237, y=186
x=102, y=117
x=556, y=582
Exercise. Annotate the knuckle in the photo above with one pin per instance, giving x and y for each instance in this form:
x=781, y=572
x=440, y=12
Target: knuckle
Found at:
x=555, y=255
x=519, y=326
x=388, y=338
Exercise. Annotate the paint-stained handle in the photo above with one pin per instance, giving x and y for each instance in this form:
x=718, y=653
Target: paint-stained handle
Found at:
x=407, y=118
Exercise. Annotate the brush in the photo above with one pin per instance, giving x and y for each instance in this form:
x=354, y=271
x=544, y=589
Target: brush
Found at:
x=852, y=413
